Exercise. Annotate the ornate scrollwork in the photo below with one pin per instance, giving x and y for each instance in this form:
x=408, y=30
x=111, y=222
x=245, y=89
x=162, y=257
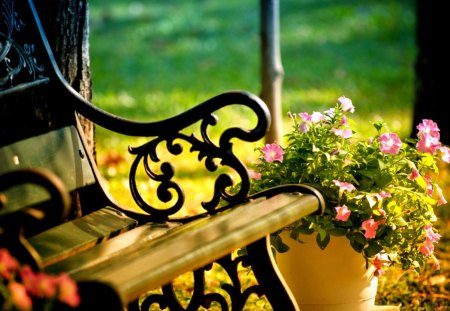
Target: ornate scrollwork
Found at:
x=214, y=155
x=15, y=57
x=207, y=150
x=233, y=296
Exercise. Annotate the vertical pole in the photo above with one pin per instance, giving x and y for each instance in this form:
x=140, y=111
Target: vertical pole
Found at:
x=271, y=67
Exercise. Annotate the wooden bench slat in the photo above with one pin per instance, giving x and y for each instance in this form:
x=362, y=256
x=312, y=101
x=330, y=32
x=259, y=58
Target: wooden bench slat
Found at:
x=137, y=261
x=64, y=240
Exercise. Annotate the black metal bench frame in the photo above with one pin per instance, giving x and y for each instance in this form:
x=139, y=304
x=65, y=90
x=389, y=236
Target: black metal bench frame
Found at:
x=41, y=73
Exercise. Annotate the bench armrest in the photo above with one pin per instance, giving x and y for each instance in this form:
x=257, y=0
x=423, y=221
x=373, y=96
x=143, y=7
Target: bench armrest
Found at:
x=42, y=178
x=15, y=222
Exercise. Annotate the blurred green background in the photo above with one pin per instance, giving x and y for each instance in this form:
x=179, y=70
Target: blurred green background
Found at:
x=153, y=59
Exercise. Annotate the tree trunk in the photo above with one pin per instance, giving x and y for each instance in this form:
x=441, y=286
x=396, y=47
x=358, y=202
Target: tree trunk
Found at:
x=432, y=67
x=67, y=28
x=271, y=67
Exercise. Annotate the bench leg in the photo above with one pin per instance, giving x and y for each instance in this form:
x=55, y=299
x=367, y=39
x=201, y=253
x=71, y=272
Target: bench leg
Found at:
x=97, y=296
x=268, y=276
x=232, y=297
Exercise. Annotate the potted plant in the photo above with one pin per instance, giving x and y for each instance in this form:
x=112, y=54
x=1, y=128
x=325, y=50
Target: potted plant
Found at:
x=380, y=195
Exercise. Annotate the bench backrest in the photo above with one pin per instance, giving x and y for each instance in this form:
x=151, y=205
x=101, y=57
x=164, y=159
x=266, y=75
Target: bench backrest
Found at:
x=39, y=125
x=30, y=102
x=59, y=151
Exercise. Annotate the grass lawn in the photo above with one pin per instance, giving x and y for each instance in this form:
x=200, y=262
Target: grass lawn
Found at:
x=154, y=59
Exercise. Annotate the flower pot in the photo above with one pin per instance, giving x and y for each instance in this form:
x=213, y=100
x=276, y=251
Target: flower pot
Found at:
x=334, y=279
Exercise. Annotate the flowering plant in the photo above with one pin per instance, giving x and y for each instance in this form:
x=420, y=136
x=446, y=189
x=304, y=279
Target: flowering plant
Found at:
x=380, y=192
x=23, y=289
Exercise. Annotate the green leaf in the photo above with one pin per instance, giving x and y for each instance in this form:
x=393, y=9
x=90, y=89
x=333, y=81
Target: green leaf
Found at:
x=315, y=149
x=381, y=165
x=278, y=244
x=360, y=238
x=400, y=221
x=378, y=126
x=338, y=231
x=372, y=249
x=322, y=242
x=322, y=234
x=357, y=241
x=356, y=246
x=302, y=229
x=421, y=182
x=384, y=179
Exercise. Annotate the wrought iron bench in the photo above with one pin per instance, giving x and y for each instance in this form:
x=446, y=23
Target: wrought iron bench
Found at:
x=117, y=253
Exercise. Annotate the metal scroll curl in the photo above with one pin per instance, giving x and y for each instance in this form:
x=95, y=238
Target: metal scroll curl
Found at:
x=233, y=295
x=214, y=154
x=169, y=190
x=15, y=57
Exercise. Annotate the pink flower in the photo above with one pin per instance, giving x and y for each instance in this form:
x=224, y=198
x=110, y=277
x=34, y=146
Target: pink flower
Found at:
x=370, y=226
x=436, y=265
x=346, y=133
x=27, y=276
x=428, y=127
x=382, y=212
x=445, y=154
x=316, y=117
x=384, y=194
x=68, y=290
x=428, y=143
x=8, y=264
x=38, y=284
x=344, y=186
x=431, y=235
x=346, y=104
x=255, y=175
x=343, y=213
x=46, y=285
x=19, y=296
x=330, y=112
x=304, y=127
x=429, y=185
x=390, y=143
x=414, y=174
x=442, y=199
x=305, y=116
x=378, y=264
x=427, y=248
x=273, y=152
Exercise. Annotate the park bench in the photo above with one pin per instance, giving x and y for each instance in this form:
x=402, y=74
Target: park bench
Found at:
x=57, y=214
